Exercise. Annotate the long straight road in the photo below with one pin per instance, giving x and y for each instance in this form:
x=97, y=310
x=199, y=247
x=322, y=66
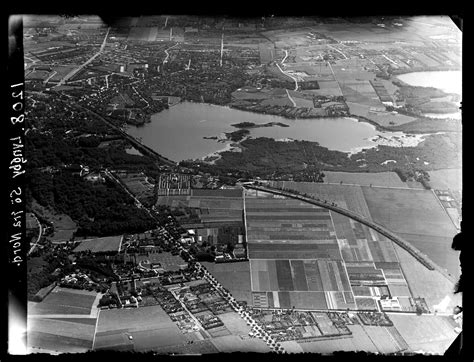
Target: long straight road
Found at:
x=91, y=59
x=334, y=75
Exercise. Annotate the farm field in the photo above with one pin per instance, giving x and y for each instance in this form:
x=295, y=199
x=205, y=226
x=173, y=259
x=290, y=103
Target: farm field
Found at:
x=226, y=344
x=294, y=256
x=417, y=216
x=387, y=179
x=438, y=248
x=233, y=276
x=431, y=285
x=292, y=347
x=359, y=341
x=409, y=211
x=446, y=179
x=64, y=301
x=352, y=196
x=73, y=335
x=318, y=273
x=198, y=347
x=150, y=327
x=109, y=243
x=210, y=208
x=235, y=323
x=426, y=333
x=412, y=213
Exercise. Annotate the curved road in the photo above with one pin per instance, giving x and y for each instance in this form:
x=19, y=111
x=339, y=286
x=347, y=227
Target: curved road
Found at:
x=422, y=258
x=296, y=81
x=39, y=236
x=168, y=54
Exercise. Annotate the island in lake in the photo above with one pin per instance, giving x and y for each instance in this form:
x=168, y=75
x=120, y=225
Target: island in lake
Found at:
x=248, y=125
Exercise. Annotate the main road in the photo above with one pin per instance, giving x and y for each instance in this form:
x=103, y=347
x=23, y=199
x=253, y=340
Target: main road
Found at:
x=288, y=75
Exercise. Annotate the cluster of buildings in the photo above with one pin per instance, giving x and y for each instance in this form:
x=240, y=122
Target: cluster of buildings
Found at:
x=80, y=280
x=291, y=325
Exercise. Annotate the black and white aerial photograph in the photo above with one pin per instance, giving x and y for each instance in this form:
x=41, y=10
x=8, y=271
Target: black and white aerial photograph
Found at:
x=203, y=184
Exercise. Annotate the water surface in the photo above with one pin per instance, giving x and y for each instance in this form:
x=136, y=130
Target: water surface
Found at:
x=447, y=81
x=177, y=133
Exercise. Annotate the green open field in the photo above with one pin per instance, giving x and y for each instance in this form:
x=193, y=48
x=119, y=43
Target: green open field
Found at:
x=438, y=248
x=387, y=179
x=226, y=344
x=425, y=333
x=359, y=341
x=150, y=327
x=351, y=195
x=417, y=216
x=428, y=284
x=409, y=211
x=364, y=338
x=108, y=243
x=446, y=179
x=64, y=301
x=233, y=276
x=60, y=335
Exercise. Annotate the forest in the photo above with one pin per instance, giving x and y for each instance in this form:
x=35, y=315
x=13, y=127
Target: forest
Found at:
x=99, y=208
x=265, y=157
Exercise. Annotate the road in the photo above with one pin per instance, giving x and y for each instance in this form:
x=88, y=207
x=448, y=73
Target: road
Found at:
x=168, y=54
x=183, y=305
x=289, y=97
x=337, y=50
x=33, y=62
x=39, y=236
x=144, y=100
x=137, y=202
x=390, y=60
x=288, y=75
x=417, y=254
x=51, y=76
x=286, y=56
x=222, y=48
x=91, y=59
x=334, y=75
x=375, y=186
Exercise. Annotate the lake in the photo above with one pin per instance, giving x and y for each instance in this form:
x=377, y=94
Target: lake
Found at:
x=447, y=81
x=177, y=133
